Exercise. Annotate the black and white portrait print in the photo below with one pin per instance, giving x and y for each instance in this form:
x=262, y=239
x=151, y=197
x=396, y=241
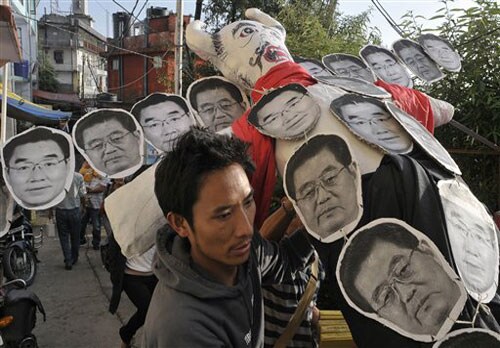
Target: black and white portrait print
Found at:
x=385, y=65
x=394, y=274
x=313, y=66
x=355, y=85
x=441, y=51
x=38, y=166
x=415, y=58
x=347, y=65
x=469, y=338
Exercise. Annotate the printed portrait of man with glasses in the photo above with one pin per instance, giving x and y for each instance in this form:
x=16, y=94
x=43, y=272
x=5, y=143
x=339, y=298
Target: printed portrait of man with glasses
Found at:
x=385, y=65
x=164, y=118
x=111, y=141
x=347, y=65
x=217, y=101
x=38, y=166
x=324, y=183
x=414, y=57
x=370, y=120
x=288, y=112
x=392, y=273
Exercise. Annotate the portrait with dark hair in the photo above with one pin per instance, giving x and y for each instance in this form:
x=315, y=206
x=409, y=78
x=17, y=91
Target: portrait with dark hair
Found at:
x=473, y=239
x=370, y=120
x=347, y=65
x=323, y=182
x=217, y=101
x=423, y=138
x=313, y=66
x=111, y=140
x=394, y=274
x=469, y=338
x=38, y=166
x=414, y=57
x=163, y=118
x=288, y=112
x=6, y=207
x=385, y=65
x=441, y=51
x=355, y=85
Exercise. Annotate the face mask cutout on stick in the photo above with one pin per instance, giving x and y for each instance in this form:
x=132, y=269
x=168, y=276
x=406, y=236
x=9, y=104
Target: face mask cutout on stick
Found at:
x=347, y=65
x=441, y=51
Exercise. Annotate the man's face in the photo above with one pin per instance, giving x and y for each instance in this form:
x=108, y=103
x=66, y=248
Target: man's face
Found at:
x=347, y=68
x=289, y=115
x=315, y=69
x=163, y=123
x=388, y=69
x=217, y=108
x=407, y=287
x=420, y=64
x=111, y=148
x=223, y=218
x=37, y=172
x=326, y=193
x=376, y=125
x=442, y=53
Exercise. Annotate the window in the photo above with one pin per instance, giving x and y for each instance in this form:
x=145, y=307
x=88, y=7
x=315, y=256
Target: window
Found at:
x=59, y=57
x=115, y=64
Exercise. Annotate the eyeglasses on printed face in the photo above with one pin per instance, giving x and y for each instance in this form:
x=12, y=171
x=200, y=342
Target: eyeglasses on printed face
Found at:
x=158, y=125
x=209, y=110
x=116, y=139
x=350, y=72
x=386, y=66
x=402, y=272
x=289, y=108
x=48, y=166
x=309, y=192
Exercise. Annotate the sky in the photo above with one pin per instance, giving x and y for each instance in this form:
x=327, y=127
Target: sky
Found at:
x=102, y=10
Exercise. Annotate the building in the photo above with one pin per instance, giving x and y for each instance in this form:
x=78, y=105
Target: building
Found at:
x=146, y=63
x=74, y=49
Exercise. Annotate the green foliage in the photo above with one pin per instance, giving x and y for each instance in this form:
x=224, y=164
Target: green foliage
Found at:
x=474, y=91
x=46, y=74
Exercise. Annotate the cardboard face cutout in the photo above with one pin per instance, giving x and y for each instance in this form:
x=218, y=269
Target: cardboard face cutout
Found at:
x=111, y=140
x=38, y=166
x=347, y=65
x=385, y=65
x=288, y=112
x=441, y=51
x=217, y=102
x=469, y=338
x=371, y=121
x=394, y=274
x=355, y=85
x=313, y=66
x=424, y=138
x=473, y=239
x=244, y=50
x=163, y=118
x=324, y=184
x=6, y=208
x=413, y=55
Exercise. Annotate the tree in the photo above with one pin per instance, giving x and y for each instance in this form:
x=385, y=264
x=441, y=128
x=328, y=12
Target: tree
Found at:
x=46, y=74
x=475, y=33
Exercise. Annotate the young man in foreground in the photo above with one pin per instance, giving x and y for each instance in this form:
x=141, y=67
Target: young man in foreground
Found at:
x=211, y=263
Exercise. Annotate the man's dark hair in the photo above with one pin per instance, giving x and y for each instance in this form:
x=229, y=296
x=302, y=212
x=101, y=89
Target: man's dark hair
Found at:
x=424, y=37
x=339, y=57
x=197, y=153
x=157, y=98
x=475, y=339
x=333, y=143
x=370, y=49
x=299, y=59
x=352, y=98
x=34, y=136
x=101, y=116
x=359, y=248
x=211, y=83
x=405, y=43
x=267, y=98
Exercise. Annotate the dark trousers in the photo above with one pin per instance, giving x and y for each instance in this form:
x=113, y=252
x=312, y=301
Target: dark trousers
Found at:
x=93, y=215
x=68, y=228
x=139, y=290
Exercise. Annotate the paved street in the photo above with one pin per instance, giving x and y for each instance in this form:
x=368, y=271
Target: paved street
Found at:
x=76, y=301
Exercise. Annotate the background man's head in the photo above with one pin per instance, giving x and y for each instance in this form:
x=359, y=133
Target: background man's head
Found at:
x=285, y=113
x=110, y=139
x=441, y=51
x=388, y=270
x=323, y=181
x=163, y=117
x=417, y=60
x=346, y=65
x=385, y=65
x=37, y=166
x=218, y=102
x=369, y=118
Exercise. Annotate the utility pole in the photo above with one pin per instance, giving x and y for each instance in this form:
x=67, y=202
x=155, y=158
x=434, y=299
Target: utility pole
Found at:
x=178, y=48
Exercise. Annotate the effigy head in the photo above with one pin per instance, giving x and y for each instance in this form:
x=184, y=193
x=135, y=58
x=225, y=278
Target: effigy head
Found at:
x=244, y=50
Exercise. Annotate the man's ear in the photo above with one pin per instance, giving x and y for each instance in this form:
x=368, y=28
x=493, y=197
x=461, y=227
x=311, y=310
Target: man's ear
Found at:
x=353, y=167
x=425, y=247
x=178, y=223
